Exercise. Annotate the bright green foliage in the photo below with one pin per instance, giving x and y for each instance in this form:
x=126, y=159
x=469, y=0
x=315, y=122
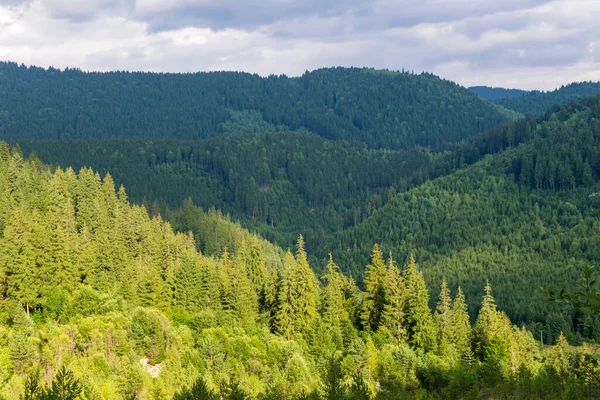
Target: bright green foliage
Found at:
x=560, y=356
x=334, y=310
x=443, y=318
x=135, y=311
x=298, y=295
x=420, y=327
x=459, y=325
x=393, y=313
x=376, y=287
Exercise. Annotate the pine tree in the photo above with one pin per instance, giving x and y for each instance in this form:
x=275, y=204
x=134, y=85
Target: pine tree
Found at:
x=492, y=334
x=64, y=386
x=298, y=295
x=305, y=290
x=250, y=256
x=393, y=313
x=560, y=355
x=460, y=324
x=419, y=321
x=237, y=292
x=376, y=287
x=284, y=323
x=443, y=318
x=333, y=307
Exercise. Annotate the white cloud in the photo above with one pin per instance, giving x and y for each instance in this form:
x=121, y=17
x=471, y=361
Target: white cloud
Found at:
x=529, y=44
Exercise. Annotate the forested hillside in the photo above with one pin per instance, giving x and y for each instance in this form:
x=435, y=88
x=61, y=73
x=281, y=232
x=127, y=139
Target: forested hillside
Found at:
x=520, y=218
x=496, y=93
x=503, y=216
x=536, y=102
x=379, y=108
x=100, y=301
x=278, y=183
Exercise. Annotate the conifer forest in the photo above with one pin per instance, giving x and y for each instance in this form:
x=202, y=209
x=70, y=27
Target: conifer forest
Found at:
x=349, y=233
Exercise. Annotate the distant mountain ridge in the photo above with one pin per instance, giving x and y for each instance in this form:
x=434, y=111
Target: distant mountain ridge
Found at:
x=382, y=109
x=496, y=93
x=537, y=102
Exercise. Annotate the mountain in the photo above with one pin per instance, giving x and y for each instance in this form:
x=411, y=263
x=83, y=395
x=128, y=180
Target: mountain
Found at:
x=379, y=108
x=526, y=214
x=279, y=183
x=100, y=300
x=536, y=102
x=496, y=93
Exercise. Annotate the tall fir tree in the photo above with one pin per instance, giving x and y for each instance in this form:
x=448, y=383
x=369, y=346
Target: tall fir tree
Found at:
x=333, y=305
x=460, y=324
x=393, y=313
x=420, y=326
x=376, y=287
x=443, y=318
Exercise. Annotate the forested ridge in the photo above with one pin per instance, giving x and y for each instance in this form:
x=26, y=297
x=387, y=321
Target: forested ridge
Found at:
x=522, y=217
x=278, y=183
x=507, y=215
x=536, y=102
x=496, y=93
x=387, y=109
x=178, y=294
x=98, y=300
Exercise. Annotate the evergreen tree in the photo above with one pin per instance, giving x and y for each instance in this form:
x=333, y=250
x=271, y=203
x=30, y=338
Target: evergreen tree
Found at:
x=443, y=319
x=393, y=313
x=420, y=326
x=64, y=386
x=376, y=287
x=460, y=325
x=285, y=314
x=333, y=305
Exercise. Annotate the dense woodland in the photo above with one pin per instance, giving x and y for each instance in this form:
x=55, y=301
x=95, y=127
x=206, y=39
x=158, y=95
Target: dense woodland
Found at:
x=503, y=200
x=96, y=297
x=496, y=93
x=536, y=102
x=384, y=109
x=375, y=169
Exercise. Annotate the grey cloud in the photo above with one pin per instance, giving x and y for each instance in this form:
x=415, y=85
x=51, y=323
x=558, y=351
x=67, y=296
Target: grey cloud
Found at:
x=369, y=16
x=86, y=10
x=240, y=14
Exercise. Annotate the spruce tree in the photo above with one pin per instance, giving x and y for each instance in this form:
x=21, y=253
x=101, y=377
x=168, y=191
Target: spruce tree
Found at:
x=443, y=318
x=298, y=295
x=333, y=307
x=460, y=324
x=393, y=313
x=305, y=290
x=284, y=316
x=419, y=321
x=376, y=287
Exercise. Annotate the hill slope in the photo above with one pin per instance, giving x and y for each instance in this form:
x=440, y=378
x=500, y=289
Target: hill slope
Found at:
x=379, y=108
x=539, y=102
x=525, y=216
x=108, y=303
x=496, y=93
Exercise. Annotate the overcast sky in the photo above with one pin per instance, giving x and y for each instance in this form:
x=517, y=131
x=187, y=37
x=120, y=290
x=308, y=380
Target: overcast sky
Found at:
x=529, y=44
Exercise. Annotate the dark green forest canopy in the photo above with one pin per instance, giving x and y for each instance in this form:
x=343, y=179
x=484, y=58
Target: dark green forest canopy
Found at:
x=519, y=218
x=496, y=93
x=282, y=183
x=379, y=108
x=536, y=102
x=520, y=210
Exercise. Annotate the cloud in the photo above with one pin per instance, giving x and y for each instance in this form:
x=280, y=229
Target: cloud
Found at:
x=532, y=44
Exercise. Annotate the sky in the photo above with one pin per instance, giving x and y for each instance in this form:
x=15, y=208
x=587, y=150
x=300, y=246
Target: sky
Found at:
x=527, y=44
